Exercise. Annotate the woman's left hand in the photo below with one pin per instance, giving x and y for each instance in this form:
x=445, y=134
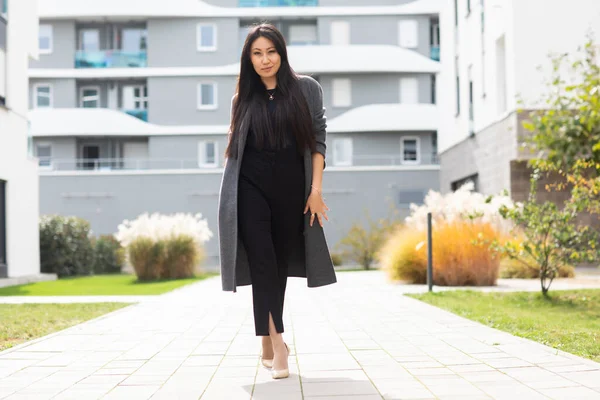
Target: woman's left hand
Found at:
x=317, y=207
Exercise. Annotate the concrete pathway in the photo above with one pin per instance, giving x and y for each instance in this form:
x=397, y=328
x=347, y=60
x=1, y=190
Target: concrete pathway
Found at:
x=357, y=339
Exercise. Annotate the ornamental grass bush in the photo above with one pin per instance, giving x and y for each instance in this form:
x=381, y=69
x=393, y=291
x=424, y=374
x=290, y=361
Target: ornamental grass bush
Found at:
x=164, y=246
x=458, y=260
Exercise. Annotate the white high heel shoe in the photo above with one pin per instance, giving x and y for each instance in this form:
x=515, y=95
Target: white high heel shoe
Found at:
x=281, y=373
x=268, y=362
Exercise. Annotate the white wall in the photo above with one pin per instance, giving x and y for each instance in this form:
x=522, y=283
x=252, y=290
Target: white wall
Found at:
x=476, y=51
x=544, y=26
x=16, y=167
x=531, y=28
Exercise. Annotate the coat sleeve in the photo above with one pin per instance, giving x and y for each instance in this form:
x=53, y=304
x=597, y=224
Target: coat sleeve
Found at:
x=319, y=120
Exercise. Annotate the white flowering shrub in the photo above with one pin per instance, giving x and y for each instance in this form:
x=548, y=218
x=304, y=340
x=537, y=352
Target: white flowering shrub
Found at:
x=164, y=246
x=161, y=227
x=461, y=205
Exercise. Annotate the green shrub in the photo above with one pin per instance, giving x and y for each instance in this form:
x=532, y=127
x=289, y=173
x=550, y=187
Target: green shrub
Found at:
x=511, y=268
x=109, y=255
x=337, y=259
x=362, y=245
x=147, y=258
x=65, y=246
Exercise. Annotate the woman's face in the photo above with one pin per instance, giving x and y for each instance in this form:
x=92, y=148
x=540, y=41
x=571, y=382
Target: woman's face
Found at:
x=264, y=57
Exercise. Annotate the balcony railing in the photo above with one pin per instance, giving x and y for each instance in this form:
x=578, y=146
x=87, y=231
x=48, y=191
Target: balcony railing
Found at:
x=278, y=3
x=110, y=59
x=435, y=53
x=141, y=164
x=141, y=114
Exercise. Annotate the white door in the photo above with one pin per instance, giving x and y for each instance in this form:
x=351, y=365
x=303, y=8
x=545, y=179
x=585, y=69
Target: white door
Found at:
x=340, y=33
x=135, y=155
x=135, y=97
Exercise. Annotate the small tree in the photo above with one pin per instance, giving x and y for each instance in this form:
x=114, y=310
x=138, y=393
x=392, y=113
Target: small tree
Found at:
x=552, y=236
x=362, y=245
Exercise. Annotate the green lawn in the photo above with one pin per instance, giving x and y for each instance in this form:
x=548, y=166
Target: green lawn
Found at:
x=98, y=285
x=23, y=322
x=567, y=320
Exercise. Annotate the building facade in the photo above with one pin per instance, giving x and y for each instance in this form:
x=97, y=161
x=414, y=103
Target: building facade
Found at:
x=491, y=73
x=130, y=106
x=19, y=197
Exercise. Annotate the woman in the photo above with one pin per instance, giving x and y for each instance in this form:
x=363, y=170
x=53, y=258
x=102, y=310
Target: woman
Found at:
x=271, y=210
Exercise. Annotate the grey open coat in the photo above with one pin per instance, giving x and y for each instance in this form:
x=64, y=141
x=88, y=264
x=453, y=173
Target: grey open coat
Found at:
x=315, y=264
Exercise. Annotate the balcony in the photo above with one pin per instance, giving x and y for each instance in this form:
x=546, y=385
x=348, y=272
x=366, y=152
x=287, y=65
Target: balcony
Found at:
x=435, y=53
x=278, y=3
x=110, y=59
x=140, y=114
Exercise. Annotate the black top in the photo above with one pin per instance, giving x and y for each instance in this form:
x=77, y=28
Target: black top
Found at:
x=271, y=105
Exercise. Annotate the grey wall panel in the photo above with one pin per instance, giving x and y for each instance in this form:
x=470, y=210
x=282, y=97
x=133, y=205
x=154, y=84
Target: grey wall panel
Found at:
x=381, y=148
x=487, y=154
x=119, y=197
x=64, y=46
x=173, y=101
x=362, y=31
x=172, y=43
x=350, y=3
x=184, y=148
x=62, y=148
x=372, y=89
x=64, y=92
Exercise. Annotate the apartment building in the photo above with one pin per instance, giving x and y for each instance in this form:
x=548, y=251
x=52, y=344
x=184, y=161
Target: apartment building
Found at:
x=130, y=105
x=494, y=50
x=19, y=197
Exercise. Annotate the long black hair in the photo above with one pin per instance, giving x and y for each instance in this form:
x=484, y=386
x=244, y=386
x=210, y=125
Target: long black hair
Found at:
x=292, y=110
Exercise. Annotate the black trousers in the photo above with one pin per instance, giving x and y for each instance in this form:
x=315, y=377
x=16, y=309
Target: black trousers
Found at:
x=270, y=218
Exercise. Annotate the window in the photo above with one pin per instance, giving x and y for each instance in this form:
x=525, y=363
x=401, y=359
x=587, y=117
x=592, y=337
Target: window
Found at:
x=2, y=77
x=45, y=39
x=89, y=39
x=42, y=95
x=455, y=12
x=457, y=86
x=207, y=154
x=408, y=31
x=409, y=90
x=207, y=96
x=501, y=74
x=433, y=89
x=471, y=106
x=206, y=37
x=409, y=148
x=340, y=33
x=342, y=151
x=43, y=152
x=472, y=180
x=133, y=40
x=3, y=261
x=342, y=92
x=482, y=8
x=303, y=34
x=89, y=97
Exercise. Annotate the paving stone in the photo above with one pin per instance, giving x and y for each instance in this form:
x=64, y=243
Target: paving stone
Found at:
x=199, y=342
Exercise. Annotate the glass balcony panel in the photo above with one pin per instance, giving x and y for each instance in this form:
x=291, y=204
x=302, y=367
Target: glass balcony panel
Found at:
x=110, y=59
x=278, y=3
x=435, y=53
x=141, y=114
